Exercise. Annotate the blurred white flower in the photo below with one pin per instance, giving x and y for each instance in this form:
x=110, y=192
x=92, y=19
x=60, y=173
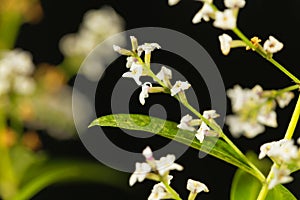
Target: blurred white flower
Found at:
x=16, y=68
x=24, y=85
x=225, y=20
x=173, y=2
x=225, y=41
x=96, y=26
x=268, y=118
x=204, y=13
x=272, y=45
x=140, y=173
x=179, y=86
x=148, y=154
x=136, y=71
x=144, y=93
x=284, y=99
x=281, y=176
x=238, y=127
x=196, y=186
x=234, y=3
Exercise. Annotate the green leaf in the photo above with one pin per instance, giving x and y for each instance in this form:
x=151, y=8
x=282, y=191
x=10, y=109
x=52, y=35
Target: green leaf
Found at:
x=211, y=145
x=62, y=171
x=247, y=187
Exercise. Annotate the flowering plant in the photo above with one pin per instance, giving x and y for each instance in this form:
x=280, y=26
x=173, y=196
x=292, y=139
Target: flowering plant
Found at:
x=253, y=110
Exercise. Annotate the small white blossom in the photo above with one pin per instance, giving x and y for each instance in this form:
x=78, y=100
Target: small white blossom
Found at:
x=204, y=129
x=144, y=93
x=298, y=140
x=130, y=60
x=140, y=173
x=164, y=75
x=238, y=127
x=196, y=186
x=281, y=151
x=173, y=2
x=225, y=41
x=165, y=164
x=136, y=71
x=272, y=45
x=158, y=192
x=148, y=47
x=281, y=176
x=179, y=86
x=204, y=13
x=147, y=152
x=234, y=3
x=284, y=99
x=225, y=20
x=185, y=123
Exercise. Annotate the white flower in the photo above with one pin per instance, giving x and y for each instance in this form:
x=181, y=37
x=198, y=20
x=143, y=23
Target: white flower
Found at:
x=225, y=20
x=173, y=2
x=281, y=151
x=204, y=129
x=164, y=75
x=122, y=51
x=165, y=164
x=268, y=119
x=148, y=47
x=298, y=140
x=203, y=13
x=281, y=176
x=147, y=153
x=130, y=61
x=144, y=93
x=234, y=3
x=136, y=71
x=158, y=192
x=238, y=127
x=185, y=123
x=284, y=99
x=24, y=85
x=196, y=186
x=140, y=173
x=272, y=45
x=225, y=41
x=179, y=86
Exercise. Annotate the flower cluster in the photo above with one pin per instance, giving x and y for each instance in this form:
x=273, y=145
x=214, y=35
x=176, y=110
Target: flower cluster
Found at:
x=253, y=109
x=16, y=68
x=285, y=154
x=139, y=67
x=96, y=26
x=158, y=170
x=188, y=123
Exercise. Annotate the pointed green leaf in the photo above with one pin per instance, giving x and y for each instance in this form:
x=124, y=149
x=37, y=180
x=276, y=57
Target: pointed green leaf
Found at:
x=211, y=145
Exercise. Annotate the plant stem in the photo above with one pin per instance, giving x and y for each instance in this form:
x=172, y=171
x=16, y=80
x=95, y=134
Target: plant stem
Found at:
x=274, y=62
x=294, y=120
x=171, y=190
x=265, y=188
x=288, y=89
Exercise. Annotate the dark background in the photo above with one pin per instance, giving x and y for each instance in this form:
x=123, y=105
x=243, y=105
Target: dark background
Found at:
x=259, y=18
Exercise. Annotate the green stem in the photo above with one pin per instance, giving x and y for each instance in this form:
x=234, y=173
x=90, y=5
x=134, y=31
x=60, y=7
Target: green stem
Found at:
x=274, y=62
x=192, y=196
x=171, y=190
x=294, y=120
x=288, y=89
x=265, y=188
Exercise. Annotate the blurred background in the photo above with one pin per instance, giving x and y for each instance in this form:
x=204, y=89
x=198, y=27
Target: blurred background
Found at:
x=42, y=34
